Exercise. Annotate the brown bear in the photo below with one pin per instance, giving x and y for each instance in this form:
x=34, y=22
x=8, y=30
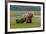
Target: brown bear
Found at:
x=29, y=18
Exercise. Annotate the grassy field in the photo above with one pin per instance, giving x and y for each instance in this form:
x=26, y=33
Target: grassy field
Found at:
x=35, y=23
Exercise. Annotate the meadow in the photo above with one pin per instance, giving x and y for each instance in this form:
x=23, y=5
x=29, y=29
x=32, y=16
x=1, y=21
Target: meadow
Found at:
x=35, y=23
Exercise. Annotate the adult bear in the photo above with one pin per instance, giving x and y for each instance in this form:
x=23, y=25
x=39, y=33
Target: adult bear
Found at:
x=28, y=17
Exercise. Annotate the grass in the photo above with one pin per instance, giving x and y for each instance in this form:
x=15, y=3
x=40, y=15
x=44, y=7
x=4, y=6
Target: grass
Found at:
x=35, y=23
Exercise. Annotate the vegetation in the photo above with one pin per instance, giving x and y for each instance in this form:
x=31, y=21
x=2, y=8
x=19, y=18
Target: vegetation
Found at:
x=35, y=23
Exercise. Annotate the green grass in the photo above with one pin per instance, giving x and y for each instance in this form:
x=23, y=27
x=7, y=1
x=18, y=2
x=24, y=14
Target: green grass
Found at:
x=35, y=23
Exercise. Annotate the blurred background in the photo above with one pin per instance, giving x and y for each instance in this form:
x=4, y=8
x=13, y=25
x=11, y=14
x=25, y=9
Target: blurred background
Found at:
x=18, y=10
